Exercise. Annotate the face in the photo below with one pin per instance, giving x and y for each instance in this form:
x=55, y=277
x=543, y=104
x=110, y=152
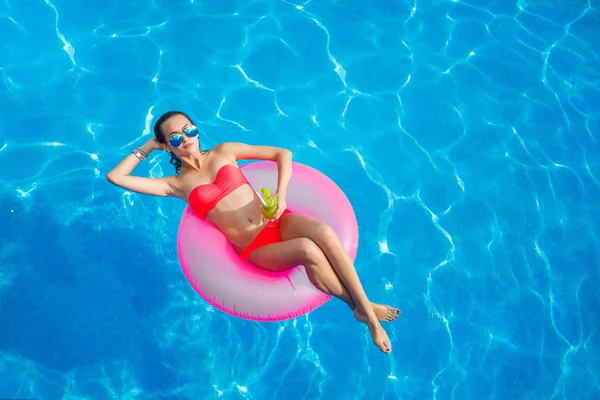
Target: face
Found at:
x=181, y=136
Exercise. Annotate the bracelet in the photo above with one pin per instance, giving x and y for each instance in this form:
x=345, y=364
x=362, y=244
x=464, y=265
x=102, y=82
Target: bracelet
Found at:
x=139, y=154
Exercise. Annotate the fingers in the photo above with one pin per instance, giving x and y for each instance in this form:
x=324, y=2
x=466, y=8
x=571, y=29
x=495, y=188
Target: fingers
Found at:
x=279, y=213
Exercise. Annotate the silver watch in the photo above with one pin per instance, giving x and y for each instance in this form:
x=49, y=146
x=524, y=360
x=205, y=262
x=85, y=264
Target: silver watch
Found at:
x=139, y=154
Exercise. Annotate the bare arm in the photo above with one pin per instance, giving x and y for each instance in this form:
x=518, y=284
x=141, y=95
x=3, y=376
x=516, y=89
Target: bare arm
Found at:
x=120, y=175
x=283, y=157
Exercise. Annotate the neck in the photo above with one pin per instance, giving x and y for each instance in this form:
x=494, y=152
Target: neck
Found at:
x=193, y=162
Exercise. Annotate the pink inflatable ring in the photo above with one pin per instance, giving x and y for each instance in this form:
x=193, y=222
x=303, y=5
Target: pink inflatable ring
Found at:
x=218, y=274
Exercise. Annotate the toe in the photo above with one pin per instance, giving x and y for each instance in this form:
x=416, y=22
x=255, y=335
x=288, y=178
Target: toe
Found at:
x=391, y=315
x=385, y=347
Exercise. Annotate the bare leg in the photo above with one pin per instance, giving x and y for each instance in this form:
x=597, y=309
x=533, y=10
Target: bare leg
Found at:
x=297, y=225
x=302, y=251
x=286, y=254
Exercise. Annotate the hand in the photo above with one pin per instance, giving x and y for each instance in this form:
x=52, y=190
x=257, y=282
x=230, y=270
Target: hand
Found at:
x=281, y=206
x=150, y=145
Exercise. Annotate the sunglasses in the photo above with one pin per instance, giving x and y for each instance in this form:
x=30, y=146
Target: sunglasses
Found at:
x=190, y=131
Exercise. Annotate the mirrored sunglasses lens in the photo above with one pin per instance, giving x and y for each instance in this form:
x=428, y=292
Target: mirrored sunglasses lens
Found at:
x=176, y=140
x=191, y=131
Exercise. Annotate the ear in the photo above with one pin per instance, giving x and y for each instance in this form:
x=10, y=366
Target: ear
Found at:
x=163, y=146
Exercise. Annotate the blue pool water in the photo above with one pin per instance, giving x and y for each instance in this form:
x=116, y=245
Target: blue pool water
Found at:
x=465, y=134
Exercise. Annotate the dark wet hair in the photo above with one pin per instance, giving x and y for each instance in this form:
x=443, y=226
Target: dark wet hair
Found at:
x=160, y=135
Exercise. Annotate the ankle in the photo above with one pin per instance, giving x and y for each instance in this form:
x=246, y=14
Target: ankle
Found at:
x=370, y=316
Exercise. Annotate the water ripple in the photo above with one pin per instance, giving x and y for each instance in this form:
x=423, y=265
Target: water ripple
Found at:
x=463, y=132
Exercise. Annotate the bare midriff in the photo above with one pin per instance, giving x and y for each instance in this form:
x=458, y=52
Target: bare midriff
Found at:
x=238, y=216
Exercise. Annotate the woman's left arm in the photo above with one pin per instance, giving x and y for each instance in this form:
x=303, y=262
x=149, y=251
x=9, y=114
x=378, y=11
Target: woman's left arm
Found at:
x=283, y=157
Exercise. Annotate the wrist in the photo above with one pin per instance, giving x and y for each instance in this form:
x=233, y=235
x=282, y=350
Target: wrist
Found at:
x=280, y=198
x=145, y=149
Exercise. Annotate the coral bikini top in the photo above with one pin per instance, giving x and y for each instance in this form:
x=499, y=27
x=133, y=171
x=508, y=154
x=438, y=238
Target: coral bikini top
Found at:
x=204, y=198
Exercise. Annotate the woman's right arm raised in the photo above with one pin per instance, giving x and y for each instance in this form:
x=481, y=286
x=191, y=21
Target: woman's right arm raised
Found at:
x=153, y=186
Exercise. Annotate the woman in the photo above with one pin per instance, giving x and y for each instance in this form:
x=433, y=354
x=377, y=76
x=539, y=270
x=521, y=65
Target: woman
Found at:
x=216, y=190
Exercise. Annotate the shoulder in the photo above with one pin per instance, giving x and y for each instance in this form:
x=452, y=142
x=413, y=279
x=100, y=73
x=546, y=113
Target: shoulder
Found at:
x=228, y=149
x=242, y=151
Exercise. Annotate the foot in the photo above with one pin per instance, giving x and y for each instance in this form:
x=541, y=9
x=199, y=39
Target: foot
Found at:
x=385, y=313
x=380, y=337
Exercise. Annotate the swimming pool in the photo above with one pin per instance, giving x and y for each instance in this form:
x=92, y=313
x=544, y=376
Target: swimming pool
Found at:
x=465, y=134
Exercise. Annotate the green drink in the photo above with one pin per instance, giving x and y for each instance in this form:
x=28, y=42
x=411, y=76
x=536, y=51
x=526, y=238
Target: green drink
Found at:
x=269, y=204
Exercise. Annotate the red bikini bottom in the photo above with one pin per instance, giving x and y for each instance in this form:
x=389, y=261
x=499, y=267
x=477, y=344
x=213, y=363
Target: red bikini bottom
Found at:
x=270, y=234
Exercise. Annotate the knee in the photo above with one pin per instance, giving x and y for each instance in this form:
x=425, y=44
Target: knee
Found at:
x=310, y=252
x=325, y=235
